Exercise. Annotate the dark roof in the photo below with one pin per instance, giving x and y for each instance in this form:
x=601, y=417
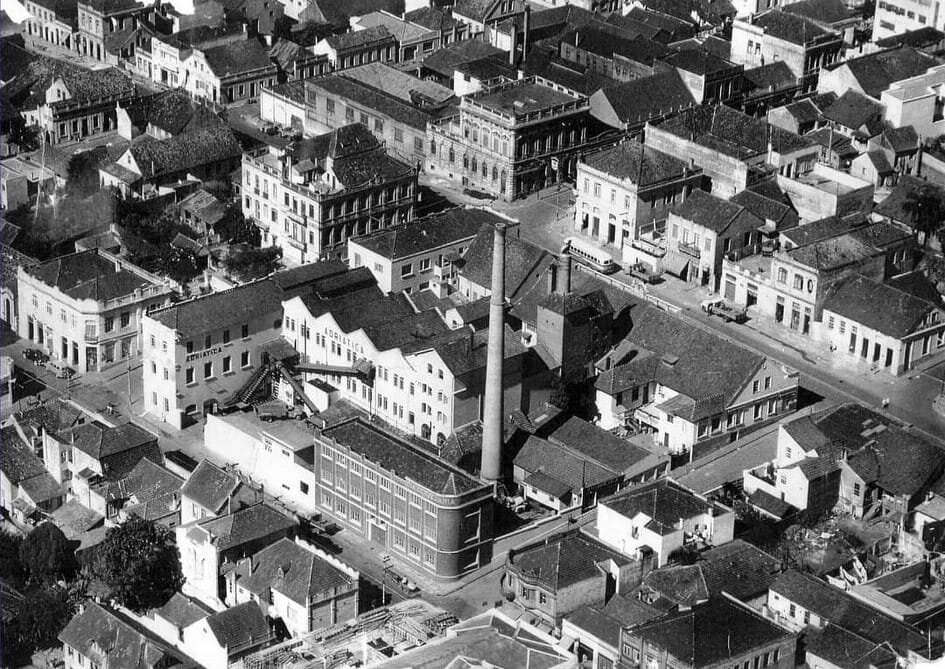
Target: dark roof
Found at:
x=211, y=312
x=703, y=636
x=99, y=442
x=663, y=501
x=521, y=258
x=154, y=489
x=65, y=10
x=433, y=18
x=400, y=457
x=196, y=36
x=428, y=233
x=921, y=38
x=698, y=364
x=731, y=132
x=841, y=609
x=359, y=38
x=92, y=84
x=648, y=97
x=606, y=622
x=558, y=471
x=112, y=6
x=246, y=525
x=52, y=416
x=769, y=504
x=565, y=560
x=291, y=570
x=789, y=27
x=901, y=140
x=182, y=611
x=875, y=72
x=173, y=111
x=843, y=648
x=678, y=28
x=109, y=638
x=640, y=164
x=739, y=569
x=771, y=76
x=18, y=462
x=444, y=61
x=88, y=276
x=338, y=12
x=521, y=97
x=855, y=298
x=855, y=111
x=473, y=9
x=828, y=254
x=897, y=462
x=825, y=228
x=699, y=62
x=165, y=157
x=809, y=110
x=766, y=209
x=918, y=284
x=544, y=63
x=716, y=214
x=210, y=486
x=822, y=11
x=684, y=585
x=239, y=625
x=608, y=44
x=597, y=444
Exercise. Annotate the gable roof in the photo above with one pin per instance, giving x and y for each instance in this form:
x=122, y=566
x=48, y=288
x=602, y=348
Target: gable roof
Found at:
x=700, y=365
x=897, y=464
x=856, y=111
x=210, y=486
x=855, y=298
x=108, y=638
x=521, y=259
x=647, y=97
x=246, y=525
x=18, y=462
x=716, y=214
x=173, y=111
x=557, y=471
x=291, y=570
x=598, y=444
x=99, y=441
x=841, y=609
x=876, y=72
x=790, y=27
x=739, y=569
x=158, y=158
x=428, y=232
x=239, y=625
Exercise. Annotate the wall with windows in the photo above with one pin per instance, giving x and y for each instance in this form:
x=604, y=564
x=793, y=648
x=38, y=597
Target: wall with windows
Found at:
x=894, y=17
x=444, y=535
x=184, y=379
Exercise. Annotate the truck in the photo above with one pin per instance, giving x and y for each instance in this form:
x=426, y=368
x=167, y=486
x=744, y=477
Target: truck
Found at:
x=725, y=310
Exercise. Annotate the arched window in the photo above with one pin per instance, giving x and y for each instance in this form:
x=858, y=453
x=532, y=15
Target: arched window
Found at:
x=452, y=155
x=495, y=173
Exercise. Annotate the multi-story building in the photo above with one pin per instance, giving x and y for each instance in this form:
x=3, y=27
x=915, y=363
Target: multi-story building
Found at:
x=773, y=35
x=662, y=517
x=86, y=309
x=691, y=389
x=513, y=139
x=420, y=255
x=80, y=103
x=894, y=17
x=320, y=192
x=295, y=582
x=604, y=51
x=414, y=41
x=197, y=354
x=734, y=150
x=622, y=191
x=52, y=21
x=702, y=230
x=161, y=57
x=705, y=637
x=358, y=47
x=107, y=26
x=229, y=73
x=395, y=106
x=791, y=285
x=419, y=508
x=404, y=367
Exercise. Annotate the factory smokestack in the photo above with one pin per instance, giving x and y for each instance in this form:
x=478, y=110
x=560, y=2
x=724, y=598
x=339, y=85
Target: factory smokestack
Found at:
x=491, y=467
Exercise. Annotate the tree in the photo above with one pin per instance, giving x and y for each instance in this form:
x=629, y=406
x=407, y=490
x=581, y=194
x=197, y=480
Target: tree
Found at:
x=140, y=563
x=47, y=554
x=234, y=228
x=82, y=176
x=25, y=137
x=11, y=569
x=926, y=208
x=247, y=263
x=41, y=616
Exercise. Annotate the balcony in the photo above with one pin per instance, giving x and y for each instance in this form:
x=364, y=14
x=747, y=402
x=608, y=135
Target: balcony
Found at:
x=690, y=249
x=653, y=246
x=91, y=337
x=645, y=416
x=443, y=272
x=300, y=245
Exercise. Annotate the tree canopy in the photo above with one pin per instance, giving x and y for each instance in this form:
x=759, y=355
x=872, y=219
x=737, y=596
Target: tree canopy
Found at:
x=140, y=563
x=926, y=207
x=247, y=263
x=47, y=554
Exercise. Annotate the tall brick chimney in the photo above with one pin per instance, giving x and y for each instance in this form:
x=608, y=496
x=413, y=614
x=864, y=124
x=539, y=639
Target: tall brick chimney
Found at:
x=493, y=411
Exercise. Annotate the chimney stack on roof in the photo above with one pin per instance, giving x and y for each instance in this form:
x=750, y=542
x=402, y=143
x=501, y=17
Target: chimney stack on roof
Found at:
x=491, y=465
x=563, y=282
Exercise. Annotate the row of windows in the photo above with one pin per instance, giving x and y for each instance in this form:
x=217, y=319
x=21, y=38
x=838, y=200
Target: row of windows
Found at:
x=352, y=511
x=225, y=338
x=208, y=370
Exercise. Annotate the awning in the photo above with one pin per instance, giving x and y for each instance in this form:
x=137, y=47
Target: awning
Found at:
x=675, y=263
